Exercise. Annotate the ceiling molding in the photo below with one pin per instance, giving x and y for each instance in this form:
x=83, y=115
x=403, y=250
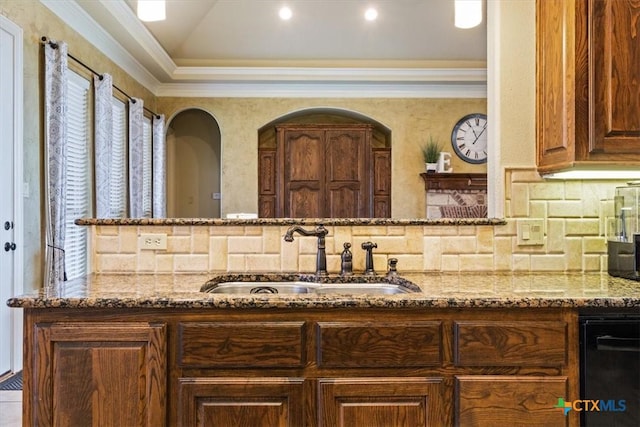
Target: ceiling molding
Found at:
x=157, y=71
x=322, y=90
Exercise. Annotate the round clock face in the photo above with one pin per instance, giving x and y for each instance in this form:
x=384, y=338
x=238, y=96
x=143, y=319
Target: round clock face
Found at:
x=469, y=138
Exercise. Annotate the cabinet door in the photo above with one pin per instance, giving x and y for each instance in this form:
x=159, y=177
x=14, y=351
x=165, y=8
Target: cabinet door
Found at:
x=556, y=74
x=235, y=402
x=398, y=402
x=346, y=179
x=303, y=183
x=614, y=62
x=510, y=400
x=99, y=374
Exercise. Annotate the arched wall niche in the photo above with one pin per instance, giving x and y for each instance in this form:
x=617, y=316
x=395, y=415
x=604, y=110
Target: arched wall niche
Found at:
x=193, y=165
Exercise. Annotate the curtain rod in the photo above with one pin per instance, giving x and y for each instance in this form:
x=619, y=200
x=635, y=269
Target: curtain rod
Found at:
x=45, y=40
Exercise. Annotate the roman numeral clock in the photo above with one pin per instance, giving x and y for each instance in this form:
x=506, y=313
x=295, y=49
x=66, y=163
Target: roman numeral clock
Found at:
x=469, y=138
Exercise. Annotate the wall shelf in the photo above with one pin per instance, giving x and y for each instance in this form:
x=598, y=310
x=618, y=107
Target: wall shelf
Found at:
x=454, y=181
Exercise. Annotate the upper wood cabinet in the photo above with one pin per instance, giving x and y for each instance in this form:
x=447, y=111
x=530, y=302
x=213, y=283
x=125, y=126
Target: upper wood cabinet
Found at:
x=324, y=171
x=588, y=83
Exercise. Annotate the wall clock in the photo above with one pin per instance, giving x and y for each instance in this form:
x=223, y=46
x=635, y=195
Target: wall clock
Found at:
x=469, y=138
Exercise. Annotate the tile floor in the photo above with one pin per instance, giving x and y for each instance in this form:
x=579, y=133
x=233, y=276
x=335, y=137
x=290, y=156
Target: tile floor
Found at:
x=10, y=408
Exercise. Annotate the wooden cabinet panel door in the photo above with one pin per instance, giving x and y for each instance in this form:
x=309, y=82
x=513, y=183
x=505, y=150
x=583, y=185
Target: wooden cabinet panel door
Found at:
x=397, y=402
x=490, y=401
x=556, y=75
x=345, y=174
x=325, y=171
x=235, y=402
x=99, y=374
x=614, y=58
x=303, y=184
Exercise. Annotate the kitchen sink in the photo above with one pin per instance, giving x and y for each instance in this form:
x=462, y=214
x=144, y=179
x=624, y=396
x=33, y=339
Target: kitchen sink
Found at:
x=307, y=284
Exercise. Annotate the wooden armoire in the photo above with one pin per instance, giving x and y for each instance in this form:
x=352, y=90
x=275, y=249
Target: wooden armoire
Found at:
x=324, y=171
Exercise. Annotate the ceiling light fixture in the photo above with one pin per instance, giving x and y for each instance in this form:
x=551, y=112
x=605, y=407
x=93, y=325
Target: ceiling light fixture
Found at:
x=285, y=13
x=468, y=13
x=151, y=10
x=371, y=14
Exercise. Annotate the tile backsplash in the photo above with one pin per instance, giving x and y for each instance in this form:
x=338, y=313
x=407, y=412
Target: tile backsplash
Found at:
x=574, y=214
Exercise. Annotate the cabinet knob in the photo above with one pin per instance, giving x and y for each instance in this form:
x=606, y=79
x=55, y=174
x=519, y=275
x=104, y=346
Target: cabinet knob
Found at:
x=9, y=246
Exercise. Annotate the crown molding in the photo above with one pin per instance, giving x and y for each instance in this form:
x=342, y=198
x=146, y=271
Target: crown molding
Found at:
x=321, y=90
x=158, y=72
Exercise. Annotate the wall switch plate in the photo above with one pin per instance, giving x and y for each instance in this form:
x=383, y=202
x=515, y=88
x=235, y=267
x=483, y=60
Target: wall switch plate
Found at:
x=153, y=241
x=530, y=232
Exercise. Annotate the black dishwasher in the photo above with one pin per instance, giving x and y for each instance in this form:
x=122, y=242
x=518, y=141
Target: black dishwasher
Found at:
x=609, y=371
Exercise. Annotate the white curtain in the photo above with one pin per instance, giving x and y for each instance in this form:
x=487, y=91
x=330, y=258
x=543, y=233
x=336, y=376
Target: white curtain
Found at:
x=159, y=168
x=103, y=134
x=55, y=135
x=136, y=153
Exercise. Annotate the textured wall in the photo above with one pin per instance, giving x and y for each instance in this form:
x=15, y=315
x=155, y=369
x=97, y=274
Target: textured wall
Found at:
x=410, y=120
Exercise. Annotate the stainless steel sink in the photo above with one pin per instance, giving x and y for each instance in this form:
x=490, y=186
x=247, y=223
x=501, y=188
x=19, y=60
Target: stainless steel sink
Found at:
x=307, y=284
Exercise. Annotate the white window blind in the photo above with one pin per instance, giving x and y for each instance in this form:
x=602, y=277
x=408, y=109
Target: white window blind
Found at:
x=147, y=157
x=118, y=177
x=78, y=191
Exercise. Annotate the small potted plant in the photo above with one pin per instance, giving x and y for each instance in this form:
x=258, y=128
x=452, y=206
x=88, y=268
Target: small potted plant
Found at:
x=430, y=154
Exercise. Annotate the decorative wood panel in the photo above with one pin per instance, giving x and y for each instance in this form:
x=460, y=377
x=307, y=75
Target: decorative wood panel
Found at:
x=267, y=190
x=397, y=402
x=241, y=344
x=302, y=163
x=515, y=343
x=100, y=374
x=383, y=344
x=235, y=402
x=381, y=161
x=491, y=401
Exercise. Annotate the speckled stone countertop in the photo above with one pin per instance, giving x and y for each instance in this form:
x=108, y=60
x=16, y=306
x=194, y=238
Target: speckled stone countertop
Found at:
x=290, y=221
x=441, y=290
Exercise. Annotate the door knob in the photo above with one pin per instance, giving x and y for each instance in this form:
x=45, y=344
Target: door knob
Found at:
x=9, y=246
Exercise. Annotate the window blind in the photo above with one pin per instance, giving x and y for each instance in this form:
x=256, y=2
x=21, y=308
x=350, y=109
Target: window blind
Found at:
x=78, y=191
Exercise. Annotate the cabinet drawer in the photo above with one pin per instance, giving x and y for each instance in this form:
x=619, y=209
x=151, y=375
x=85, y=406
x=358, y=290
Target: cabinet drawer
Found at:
x=517, y=343
x=383, y=345
x=254, y=344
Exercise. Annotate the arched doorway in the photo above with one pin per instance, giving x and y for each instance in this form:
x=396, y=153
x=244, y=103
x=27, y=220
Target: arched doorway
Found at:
x=324, y=162
x=193, y=165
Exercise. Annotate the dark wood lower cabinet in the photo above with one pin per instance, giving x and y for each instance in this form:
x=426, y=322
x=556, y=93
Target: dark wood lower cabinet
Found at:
x=397, y=402
x=300, y=367
x=233, y=402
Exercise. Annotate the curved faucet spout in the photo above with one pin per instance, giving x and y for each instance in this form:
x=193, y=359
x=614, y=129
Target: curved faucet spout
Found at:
x=320, y=232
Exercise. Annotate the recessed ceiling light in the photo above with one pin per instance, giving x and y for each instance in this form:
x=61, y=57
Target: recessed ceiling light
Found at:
x=285, y=13
x=371, y=14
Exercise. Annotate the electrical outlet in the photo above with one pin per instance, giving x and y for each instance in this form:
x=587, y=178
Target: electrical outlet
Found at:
x=530, y=232
x=153, y=241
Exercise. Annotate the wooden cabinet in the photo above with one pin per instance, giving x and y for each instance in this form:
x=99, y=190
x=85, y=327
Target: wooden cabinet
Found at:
x=324, y=171
x=96, y=374
x=233, y=402
x=397, y=402
x=588, y=83
x=300, y=367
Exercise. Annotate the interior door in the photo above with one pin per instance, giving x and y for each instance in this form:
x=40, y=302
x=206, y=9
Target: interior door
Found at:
x=10, y=178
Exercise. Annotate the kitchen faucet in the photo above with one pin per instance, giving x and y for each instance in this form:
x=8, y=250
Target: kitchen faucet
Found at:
x=320, y=232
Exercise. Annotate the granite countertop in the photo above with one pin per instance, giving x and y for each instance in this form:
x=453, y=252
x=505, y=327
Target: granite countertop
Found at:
x=440, y=290
x=288, y=221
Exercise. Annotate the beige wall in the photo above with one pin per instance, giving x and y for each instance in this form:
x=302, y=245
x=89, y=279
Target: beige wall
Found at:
x=37, y=21
x=411, y=121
